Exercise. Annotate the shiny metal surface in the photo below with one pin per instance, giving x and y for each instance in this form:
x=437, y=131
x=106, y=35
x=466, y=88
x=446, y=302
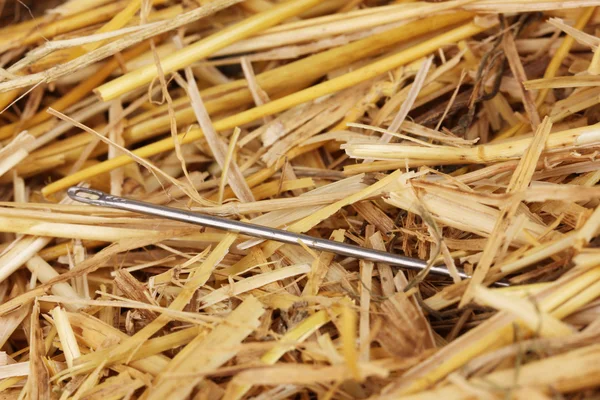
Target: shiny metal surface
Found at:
x=98, y=198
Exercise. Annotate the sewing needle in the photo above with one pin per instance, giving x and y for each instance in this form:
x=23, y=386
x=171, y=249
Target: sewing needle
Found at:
x=98, y=198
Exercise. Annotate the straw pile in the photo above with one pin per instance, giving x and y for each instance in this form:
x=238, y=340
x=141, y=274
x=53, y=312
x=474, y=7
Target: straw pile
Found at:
x=461, y=132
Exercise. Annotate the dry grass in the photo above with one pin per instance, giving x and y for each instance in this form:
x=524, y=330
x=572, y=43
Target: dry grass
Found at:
x=462, y=132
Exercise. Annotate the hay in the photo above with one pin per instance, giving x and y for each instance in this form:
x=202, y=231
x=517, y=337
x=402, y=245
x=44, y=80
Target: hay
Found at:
x=462, y=132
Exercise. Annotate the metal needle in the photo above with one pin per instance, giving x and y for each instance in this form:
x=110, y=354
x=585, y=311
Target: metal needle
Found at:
x=98, y=198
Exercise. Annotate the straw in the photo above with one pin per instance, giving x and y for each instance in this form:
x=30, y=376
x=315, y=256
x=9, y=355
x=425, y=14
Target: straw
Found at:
x=459, y=135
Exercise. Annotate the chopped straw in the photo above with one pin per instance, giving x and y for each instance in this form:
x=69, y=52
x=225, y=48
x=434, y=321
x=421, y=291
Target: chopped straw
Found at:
x=464, y=133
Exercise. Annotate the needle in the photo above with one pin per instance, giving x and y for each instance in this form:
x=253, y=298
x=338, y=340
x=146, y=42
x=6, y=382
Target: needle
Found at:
x=98, y=198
